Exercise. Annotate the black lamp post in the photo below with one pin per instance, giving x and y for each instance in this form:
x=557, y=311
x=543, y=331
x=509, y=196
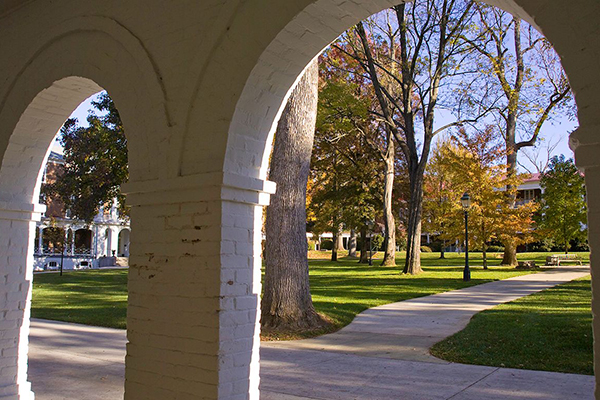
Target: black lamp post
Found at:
x=370, y=224
x=465, y=200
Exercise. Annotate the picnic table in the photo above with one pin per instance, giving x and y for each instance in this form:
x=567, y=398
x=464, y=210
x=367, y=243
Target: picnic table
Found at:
x=556, y=259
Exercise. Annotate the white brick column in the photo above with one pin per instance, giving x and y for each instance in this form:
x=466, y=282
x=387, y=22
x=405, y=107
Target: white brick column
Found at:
x=72, y=244
x=584, y=143
x=18, y=225
x=40, y=232
x=194, y=287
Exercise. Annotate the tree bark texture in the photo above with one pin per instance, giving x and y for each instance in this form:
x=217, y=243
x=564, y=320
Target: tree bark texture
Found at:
x=510, y=249
x=389, y=257
x=364, y=247
x=352, y=244
x=510, y=254
x=334, y=249
x=413, y=232
x=484, y=246
x=287, y=303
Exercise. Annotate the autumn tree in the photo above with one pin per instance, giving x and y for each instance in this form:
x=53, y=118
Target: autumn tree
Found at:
x=407, y=53
x=439, y=192
x=346, y=167
x=470, y=164
x=521, y=79
x=562, y=214
x=286, y=302
x=95, y=162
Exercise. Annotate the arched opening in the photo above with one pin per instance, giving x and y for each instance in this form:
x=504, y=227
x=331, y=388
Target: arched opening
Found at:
x=70, y=245
x=83, y=241
x=21, y=180
x=124, y=243
x=53, y=240
x=276, y=72
x=153, y=76
x=68, y=62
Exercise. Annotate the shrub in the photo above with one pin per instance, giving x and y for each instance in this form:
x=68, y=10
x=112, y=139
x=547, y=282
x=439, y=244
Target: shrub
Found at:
x=311, y=245
x=401, y=244
x=377, y=242
x=495, y=249
x=327, y=244
x=436, y=245
x=578, y=245
x=425, y=249
x=546, y=244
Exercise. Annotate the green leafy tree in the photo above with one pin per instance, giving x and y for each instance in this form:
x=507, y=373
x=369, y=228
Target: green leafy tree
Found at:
x=562, y=214
x=439, y=192
x=95, y=162
x=411, y=55
x=346, y=165
x=519, y=78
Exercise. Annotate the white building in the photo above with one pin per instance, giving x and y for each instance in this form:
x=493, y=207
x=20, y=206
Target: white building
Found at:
x=530, y=189
x=104, y=242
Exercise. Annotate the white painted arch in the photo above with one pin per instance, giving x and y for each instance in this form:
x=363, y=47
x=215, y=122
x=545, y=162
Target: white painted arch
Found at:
x=282, y=62
x=64, y=68
x=312, y=29
x=199, y=86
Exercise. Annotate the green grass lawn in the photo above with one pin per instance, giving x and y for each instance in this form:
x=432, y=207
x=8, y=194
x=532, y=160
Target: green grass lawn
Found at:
x=96, y=297
x=550, y=330
x=340, y=290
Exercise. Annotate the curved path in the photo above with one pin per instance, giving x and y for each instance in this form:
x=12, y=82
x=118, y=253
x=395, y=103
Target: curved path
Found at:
x=382, y=354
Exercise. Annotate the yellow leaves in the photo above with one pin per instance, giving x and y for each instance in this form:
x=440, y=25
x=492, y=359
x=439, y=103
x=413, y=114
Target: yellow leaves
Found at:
x=468, y=164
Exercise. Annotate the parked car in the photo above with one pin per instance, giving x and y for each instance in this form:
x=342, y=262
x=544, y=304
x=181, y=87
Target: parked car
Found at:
x=52, y=266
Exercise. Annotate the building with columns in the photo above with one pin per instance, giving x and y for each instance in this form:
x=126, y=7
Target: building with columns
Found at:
x=92, y=245
x=85, y=245
x=199, y=86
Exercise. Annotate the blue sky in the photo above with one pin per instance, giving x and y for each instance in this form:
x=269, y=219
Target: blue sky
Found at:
x=553, y=132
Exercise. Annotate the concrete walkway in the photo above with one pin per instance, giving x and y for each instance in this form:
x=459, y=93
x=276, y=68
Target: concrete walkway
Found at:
x=382, y=354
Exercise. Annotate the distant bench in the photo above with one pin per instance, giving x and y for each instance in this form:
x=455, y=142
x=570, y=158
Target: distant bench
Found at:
x=556, y=259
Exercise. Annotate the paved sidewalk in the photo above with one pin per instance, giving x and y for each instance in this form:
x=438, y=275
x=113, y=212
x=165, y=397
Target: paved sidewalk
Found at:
x=406, y=330
x=382, y=354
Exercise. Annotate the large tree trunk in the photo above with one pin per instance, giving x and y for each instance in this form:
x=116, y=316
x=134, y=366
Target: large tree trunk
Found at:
x=484, y=246
x=412, y=264
x=389, y=257
x=339, y=243
x=485, y=263
x=352, y=244
x=510, y=248
x=364, y=247
x=286, y=303
x=334, y=249
x=510, y=254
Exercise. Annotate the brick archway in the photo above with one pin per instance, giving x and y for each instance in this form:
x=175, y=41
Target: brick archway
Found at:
x=284, y=59
x=58, y=75
x=199, y=86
